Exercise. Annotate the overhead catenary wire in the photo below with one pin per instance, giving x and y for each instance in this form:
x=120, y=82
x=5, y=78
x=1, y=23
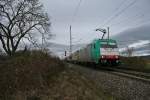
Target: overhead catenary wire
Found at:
x=117, y=9
x=116, y=14
x=119, y=13
x=127, y=20
x=72, y=20
x=128, y=41
x=76, y=11
x=138, y=18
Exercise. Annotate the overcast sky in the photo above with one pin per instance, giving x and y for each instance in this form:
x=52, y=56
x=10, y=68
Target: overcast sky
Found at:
x=119, y=15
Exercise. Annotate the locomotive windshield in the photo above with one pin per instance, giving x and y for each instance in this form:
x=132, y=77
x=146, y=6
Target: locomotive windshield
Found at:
x=108, y=45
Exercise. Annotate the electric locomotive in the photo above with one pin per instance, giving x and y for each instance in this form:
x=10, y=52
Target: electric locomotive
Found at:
x=100, y=51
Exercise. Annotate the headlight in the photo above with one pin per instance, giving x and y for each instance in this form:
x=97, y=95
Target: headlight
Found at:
x=116, y=57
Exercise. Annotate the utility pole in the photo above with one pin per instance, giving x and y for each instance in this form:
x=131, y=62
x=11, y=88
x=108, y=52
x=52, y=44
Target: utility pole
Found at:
x=108, y=32
x=65, y=53
x=70, y=40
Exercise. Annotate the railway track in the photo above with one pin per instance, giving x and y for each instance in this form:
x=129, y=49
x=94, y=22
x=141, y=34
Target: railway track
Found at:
x=121, y=83
x=141, y=76
x=145, y=77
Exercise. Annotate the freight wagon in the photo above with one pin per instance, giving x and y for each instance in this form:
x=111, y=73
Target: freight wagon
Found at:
x=100, y=51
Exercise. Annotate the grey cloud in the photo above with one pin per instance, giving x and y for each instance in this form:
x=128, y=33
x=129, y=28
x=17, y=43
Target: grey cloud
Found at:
x=92, y=14
x=133, y=35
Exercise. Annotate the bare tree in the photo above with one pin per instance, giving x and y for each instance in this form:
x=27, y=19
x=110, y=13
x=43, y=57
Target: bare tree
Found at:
x=21, y=19
x=130, y=51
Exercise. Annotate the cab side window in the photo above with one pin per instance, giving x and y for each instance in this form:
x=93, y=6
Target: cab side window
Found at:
x=94, y=46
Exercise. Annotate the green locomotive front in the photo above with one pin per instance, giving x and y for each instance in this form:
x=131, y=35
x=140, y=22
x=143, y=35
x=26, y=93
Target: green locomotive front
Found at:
x=99, y=51
x=105, y=51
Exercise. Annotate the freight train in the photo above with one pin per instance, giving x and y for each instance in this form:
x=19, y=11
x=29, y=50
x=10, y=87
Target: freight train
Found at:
x=100, y=51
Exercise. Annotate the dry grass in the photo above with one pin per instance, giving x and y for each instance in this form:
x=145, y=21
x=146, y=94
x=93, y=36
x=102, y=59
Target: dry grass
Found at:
x=136, y=63
x=36, y=75
x=28, y=72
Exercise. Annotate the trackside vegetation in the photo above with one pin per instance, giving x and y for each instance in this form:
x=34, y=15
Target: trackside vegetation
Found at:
x=36, y=75
x=26, y=73
x=136, y=63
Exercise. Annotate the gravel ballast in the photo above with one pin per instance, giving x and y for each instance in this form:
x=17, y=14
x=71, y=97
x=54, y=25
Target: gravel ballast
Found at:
x=121, y=87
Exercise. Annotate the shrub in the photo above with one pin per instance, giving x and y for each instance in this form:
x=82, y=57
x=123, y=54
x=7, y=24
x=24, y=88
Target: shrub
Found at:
x=27, y=72
x=135, y=63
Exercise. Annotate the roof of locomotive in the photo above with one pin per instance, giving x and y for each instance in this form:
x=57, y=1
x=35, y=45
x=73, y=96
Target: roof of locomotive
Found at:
x=104, y=40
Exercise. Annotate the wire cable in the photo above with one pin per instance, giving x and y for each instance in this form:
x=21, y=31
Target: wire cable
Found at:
x=120, y=5
x=117, y=9
x=128, y=20
x=122, y=11
x=119, y=13
x=76, y=11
